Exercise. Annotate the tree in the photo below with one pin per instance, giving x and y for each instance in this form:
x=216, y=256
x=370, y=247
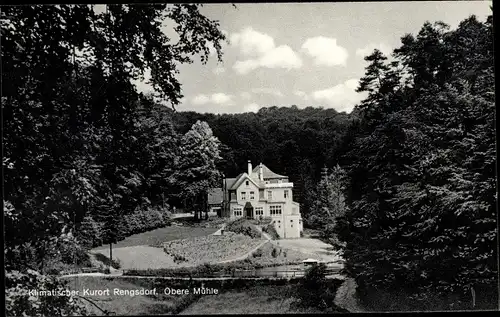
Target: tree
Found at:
x=196, y=165
x=69, y=109
x=421, y=216
x=330, y=203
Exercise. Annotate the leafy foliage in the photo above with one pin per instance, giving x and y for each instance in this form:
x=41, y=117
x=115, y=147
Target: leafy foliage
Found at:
x=82, y=146
x=316, y=291
x=421, y=169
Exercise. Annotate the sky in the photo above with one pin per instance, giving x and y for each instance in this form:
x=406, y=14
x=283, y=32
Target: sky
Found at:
x=303, y=54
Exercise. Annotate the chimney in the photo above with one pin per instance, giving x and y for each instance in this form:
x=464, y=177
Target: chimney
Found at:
x=249, y=168
x=261, y=174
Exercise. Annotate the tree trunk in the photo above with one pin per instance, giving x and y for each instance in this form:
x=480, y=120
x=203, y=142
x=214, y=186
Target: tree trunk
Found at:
x=194, y=205
x=110, y=256
x=205, y=205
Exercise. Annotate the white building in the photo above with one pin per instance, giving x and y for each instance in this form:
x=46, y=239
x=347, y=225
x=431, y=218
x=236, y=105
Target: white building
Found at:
x=260, y=193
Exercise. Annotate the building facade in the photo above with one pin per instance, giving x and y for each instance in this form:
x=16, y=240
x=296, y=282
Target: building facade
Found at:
x=260, y=193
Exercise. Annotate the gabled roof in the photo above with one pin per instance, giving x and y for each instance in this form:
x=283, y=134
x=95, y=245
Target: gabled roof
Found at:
x=215, y=196
x=267, y=173
x=240, y=180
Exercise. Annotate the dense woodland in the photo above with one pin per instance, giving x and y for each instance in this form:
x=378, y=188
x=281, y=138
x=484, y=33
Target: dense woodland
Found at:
x=411, y=194
x=84, y=152
x=290, y=141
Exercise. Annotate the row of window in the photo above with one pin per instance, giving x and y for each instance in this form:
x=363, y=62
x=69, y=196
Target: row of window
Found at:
x=259, y=211
x=275, y=210
x=269, y=195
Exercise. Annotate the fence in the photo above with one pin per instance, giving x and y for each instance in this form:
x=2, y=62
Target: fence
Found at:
x=245, y=273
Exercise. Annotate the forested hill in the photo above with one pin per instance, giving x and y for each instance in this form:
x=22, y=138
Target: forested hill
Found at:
x=289, y=140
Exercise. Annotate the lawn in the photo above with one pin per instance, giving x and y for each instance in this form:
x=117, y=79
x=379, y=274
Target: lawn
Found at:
x=160, y=235
x=159, y=304
x=269, y=299
x=187, y=252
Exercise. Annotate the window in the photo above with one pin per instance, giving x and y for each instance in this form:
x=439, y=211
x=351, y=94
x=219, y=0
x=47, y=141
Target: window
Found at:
x=291, y=220
x=259, y=211
x=252, y=195
x=286, y=193
x=247, y=183
x=238, y=211
x=243, y=195
x=275, y=210
x=269, y=194
x=279, y=221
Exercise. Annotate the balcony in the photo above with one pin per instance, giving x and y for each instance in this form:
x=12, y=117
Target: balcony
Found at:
x=279, y=185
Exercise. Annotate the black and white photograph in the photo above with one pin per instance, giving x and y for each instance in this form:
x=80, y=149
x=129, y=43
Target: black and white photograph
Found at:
x=249, y=158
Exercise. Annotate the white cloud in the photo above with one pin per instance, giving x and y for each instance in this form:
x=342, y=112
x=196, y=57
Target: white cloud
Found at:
x=253, y=107
x=301, y=94
x=269, y=91
x=217, y=98
x=221, y=98
x=368, y=49
x=325, y=51
x=341, y=97
x=251, y=42
x=219, y=70
x=262, y=52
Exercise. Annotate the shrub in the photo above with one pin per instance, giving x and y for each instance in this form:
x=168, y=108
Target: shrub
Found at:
x=115, y=263
x=316, y=291
x=271, y=230
x=257, y=253
x=179, y=258
x=88, y=233
x=243, y=226
x=18, y=302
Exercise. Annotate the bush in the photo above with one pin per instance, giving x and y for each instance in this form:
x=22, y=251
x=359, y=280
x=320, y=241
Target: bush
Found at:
x=243, y=226
x=115, y=263
x=258, y=253
x=18, y=302
x=271, y=230
x=88, y=233
x=317, y=291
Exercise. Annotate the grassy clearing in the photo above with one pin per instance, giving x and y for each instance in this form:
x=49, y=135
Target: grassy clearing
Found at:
x=270, y=298
x=263, y=257
x=142, y=258
x=158, y=236
x=122, y=304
